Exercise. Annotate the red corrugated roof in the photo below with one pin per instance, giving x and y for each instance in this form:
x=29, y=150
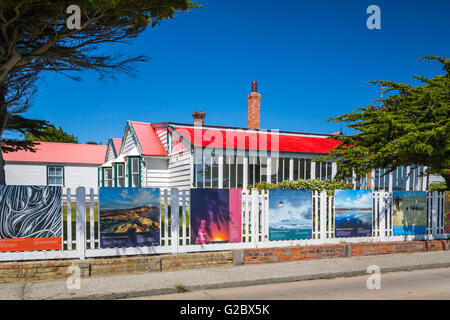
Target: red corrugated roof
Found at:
x=149, y=141
x=57, y=152
x=117, y=143
x=252, y=140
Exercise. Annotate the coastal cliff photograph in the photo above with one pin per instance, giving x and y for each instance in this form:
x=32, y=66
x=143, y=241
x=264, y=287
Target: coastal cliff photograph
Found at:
x=129, y=217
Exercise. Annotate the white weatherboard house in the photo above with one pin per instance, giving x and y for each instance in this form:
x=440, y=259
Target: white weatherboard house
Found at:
x=175, y=155
x=69, y=165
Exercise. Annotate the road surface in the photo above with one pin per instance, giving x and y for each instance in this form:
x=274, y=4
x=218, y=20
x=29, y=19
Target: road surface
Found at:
x=419, y=284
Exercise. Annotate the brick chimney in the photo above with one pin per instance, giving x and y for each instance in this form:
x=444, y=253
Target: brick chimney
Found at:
x=199, y=118
x=254, y=106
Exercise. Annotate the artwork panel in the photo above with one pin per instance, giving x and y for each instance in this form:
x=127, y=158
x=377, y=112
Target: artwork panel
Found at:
x=209, y=216
x=353, y=213
x=290, y=214
x=235, y=227
x=409, y=212
x=129, y=217
x=30, y=218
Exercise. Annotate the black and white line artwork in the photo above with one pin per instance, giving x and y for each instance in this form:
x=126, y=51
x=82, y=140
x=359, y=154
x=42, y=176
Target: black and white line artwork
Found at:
x=30, y=212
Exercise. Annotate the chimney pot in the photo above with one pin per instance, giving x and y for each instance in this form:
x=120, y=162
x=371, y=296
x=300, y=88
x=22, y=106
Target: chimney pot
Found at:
x=254, y=107
x=254, y=86
x=199, y=118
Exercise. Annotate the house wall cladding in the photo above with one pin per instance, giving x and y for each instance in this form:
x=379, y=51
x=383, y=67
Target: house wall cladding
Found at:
x=180, y=170
x=36, y=174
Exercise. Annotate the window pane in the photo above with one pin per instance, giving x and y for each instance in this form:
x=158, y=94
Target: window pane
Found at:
x=199, y=175
x=302, y=169
x=240, y=172
x=135, y=180
x=318, y=165
x=233, y=175
x=251, y=171
x=226, y=172
x=257, y=170
x=323, y=170
x=286, y=169
x=308, y=169
x=329, y=164
x=263, y=169
x=296, y=168
x=280, y=169
x=215, y=173
x=274, y=173
x=207, y=174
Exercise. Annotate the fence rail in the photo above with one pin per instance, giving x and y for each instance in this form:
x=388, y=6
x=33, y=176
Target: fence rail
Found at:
x=81, y=229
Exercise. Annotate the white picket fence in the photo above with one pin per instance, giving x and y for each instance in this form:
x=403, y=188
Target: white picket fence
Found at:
x=81, y=231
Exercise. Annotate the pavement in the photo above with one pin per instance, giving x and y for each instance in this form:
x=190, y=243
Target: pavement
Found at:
x=427, y=284
x=159, y=283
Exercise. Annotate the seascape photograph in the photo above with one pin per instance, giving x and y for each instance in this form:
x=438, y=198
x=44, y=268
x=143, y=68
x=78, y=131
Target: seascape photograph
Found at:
x=353, y=213
x=290, y=214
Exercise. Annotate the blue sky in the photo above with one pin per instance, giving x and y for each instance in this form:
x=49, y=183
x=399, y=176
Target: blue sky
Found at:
x=127, y=198
x=312, y=60
x=347, y=199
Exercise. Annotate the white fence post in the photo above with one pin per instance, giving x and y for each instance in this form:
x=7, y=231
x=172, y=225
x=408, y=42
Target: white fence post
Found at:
x=81, y=222
x=382, y=213
x=323, y=214
x=69, y=219
x=174, y=219
x=92, y=218
x=434, y=214
x=254, y=216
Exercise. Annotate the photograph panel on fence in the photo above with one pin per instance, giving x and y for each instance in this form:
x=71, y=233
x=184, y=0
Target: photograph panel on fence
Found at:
x=235, y=226
x=353, y=213
x=290, y=214
x=410, y=212
x=129, y=217
x=30, y=218
x=215, y=215
x=447, y=212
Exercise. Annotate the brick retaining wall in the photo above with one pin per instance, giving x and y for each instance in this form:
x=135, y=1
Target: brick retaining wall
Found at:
x=327, y=251
x=57, y=269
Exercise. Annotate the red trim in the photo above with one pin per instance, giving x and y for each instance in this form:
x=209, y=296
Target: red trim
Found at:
x=256, y=140
x=57, y=152
x=148, y=139
x=29, y=244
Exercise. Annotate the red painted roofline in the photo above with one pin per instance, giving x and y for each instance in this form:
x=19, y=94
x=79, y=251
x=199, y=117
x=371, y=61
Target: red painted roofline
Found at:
x=252, y=140
x=59, y=152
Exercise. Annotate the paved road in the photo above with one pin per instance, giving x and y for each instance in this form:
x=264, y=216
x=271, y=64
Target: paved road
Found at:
x=419, y=284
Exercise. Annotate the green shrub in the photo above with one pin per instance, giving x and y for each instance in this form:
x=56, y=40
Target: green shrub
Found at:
x=315, y=185
x=437, y=186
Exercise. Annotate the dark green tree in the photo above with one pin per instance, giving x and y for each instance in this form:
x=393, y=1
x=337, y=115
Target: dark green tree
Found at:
x=51, y=134
x=409, y=127
x=35, y=38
